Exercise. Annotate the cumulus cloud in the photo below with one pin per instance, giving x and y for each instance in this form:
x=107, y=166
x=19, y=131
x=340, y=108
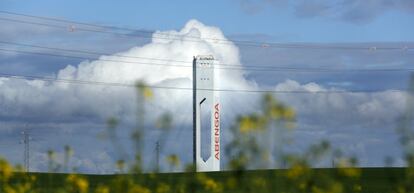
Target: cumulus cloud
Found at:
x=65, y=100
x=43, y=102
x=373, y=109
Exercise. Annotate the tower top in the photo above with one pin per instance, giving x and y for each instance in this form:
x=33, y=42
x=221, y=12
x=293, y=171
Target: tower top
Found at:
x=205, y=57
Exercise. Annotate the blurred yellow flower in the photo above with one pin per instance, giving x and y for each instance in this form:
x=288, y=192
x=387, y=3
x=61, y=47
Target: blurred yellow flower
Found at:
x=259, y=182
x=302, y=186
x=231, y=182
x=148, y=94
x=289, y=114
x=246, y=125
x=102, y=189
x=345, y=168
x=316, y=189
x=120, y=164
x=163, y=188
x=77, y=184
x=276, y=112
x=350, y=172
x=296, y=171
x=68, y=151
x=211, y=185
x=173, y=160
x=336, y=188
x=252, y=123
x=5, y=170
x=138, y=189
x=145, y=91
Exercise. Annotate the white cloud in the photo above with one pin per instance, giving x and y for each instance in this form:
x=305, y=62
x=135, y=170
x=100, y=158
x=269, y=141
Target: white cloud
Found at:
x=343, y=108
x=53, y=102
x=65, y=99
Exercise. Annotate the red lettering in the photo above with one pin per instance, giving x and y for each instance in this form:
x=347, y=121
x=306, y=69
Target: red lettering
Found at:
x=217, y=132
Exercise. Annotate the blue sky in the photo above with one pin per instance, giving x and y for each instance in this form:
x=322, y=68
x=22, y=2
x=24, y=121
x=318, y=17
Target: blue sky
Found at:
x=276, y=18
x=76, y=114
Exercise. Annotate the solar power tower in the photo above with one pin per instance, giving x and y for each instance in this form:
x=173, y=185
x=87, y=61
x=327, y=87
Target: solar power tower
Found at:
x=206, y=115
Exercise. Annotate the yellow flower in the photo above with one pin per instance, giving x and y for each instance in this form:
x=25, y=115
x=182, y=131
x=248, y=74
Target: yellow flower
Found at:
x=259, y=182
x=251, y=123
x=345, y=169
x=210, y=184
x=9, y=189
x=120, y=164
x=316, y=189
x=6, y=170
x=163, y=188
x=336, y=188
x=138, y=189
x=296, y=171
x=246, y=125
x=276, y=113
x=102, y=189
x=68, y=151
x=148, y=94
x=77, y=184
x=350, y=172
x=144, y=90
x=82, y=185
x=289, y=114
x=173, y=160
x=231, y=182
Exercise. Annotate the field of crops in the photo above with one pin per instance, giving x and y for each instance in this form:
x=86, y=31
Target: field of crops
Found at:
x=371, y=180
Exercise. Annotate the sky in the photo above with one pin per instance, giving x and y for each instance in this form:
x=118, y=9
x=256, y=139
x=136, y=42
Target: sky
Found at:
x=58, y=114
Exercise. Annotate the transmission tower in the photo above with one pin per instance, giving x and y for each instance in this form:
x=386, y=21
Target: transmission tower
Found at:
x=26, y=142
x=157, y=149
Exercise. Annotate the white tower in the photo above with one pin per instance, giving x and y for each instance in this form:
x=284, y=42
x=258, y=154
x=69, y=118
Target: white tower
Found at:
x=206, y=115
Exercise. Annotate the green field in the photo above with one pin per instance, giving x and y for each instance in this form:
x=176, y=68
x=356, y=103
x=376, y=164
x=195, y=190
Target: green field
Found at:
x=371, y=180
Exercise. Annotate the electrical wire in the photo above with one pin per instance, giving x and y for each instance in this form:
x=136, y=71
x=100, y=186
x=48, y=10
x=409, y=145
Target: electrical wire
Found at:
x=89, y=58
x=238, y=67
x=180, y=37
x=226, y=67
x=99, y=83
x=72, y=28
x=89, y=52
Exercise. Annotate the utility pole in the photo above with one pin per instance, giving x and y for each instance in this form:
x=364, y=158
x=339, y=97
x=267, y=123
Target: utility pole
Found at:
x=157, y=149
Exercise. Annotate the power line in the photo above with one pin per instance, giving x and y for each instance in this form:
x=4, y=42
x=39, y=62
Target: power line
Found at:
x=72, y=29
x=68, y=21
x=90, y=52
x=237, y=68
x=90, y=58
x=179, y=37
x=98, y=83
x=244, y=67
